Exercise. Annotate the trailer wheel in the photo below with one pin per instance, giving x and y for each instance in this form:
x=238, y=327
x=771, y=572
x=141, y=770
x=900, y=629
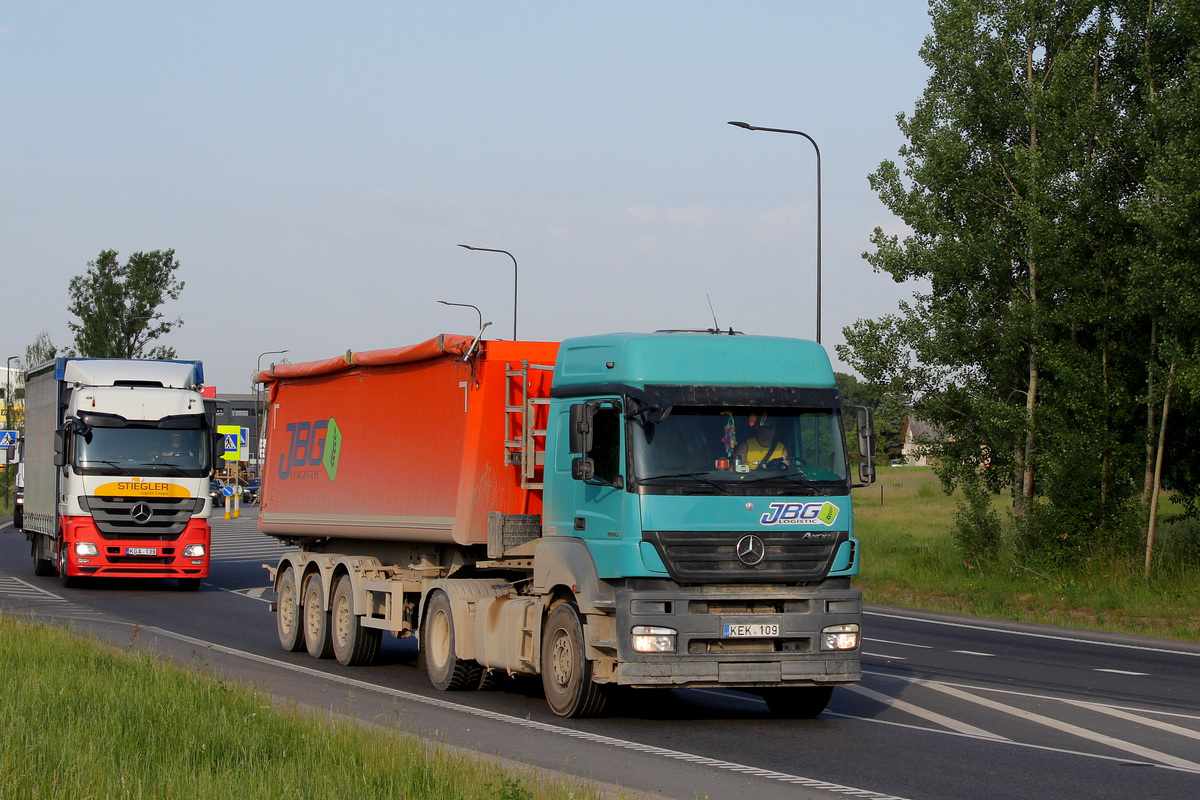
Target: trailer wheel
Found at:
x=803, y=702
x=566, y=671
x=288, y=623
x=316, y=621
x=446, y=671
x=353, y=645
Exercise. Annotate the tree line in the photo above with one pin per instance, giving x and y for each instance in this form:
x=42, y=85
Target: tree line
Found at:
x=1051, y=183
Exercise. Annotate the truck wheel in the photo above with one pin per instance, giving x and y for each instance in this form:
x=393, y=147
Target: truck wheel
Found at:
x=446, y=670
x=353, y=645
x=316, y=621
x=287, y=613
x=42, y=567
x=67, y=581
x=566, y=671
x=804, y=702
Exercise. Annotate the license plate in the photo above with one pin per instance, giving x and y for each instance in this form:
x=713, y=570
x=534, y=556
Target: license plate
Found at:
x=141, y=551
x=752, y=631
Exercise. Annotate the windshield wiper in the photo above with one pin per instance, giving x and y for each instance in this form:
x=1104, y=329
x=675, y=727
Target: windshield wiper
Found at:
x=700, y=476
x=88, y=465
x=790, y=476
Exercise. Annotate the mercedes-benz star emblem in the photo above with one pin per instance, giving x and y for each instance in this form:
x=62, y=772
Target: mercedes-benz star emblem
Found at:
x=751, y=550
x=141, y=513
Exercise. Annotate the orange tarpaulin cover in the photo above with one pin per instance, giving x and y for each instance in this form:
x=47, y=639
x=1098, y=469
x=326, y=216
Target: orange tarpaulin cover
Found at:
x=442, y=344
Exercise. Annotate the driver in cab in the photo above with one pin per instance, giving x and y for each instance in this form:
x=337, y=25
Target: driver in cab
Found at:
x=763, y=450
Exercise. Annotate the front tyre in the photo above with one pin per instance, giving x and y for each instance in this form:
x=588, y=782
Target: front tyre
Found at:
x=566, y=671
x=353, y=645
x=67, y=581
x=803, y=702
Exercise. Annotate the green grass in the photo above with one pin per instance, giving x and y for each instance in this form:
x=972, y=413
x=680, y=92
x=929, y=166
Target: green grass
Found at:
x=904, y=524
x=79, y=719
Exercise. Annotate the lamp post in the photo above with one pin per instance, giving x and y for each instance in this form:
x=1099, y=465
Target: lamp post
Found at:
x=514, y=260
x=8, y=391
x=258, y=409
x=8, y=419
x=465, y=305
x=818, y=149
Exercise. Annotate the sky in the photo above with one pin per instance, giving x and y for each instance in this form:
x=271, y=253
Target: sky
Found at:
x=314, y=166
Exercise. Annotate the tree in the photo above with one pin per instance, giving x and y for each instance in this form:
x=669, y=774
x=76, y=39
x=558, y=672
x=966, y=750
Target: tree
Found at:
x=117, y=305
x=1027, y=158
x=41, y=351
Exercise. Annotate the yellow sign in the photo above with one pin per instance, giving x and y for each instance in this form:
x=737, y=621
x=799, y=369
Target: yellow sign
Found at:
x=139, y=488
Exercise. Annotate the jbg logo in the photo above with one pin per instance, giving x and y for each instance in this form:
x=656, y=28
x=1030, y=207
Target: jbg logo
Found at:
x=800, y=514
x=311, y=444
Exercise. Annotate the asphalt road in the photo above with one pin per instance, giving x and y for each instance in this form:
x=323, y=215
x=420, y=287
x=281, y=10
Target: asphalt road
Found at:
x=950, y=708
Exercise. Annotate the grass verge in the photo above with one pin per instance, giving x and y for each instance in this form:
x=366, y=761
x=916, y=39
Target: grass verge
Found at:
x=80, y=719
x=904, y=524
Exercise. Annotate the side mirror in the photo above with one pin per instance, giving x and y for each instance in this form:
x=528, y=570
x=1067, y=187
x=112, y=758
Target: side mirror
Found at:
x=866, y=445
x=579, y=439
x=60, y=453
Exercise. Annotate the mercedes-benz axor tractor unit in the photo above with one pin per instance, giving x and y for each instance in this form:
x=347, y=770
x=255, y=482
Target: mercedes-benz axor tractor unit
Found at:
x=616, y=512
x=117, y=460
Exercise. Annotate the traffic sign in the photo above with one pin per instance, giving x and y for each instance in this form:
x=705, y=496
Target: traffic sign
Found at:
x=231, y=434
x=9, y=438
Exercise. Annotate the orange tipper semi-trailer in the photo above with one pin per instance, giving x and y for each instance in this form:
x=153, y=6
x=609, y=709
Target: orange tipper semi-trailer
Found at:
x=117, y=458
x=629, y=510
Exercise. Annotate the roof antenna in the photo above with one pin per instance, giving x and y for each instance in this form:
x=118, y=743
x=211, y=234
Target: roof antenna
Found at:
x=716, y=328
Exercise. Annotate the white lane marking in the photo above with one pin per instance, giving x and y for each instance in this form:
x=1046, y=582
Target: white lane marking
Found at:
x=1124, y=672
x=1052, y=636
x=1112, y=711
x=1065, y=727
x=254, y=594
x=26, y=589
x=973, y=653
x=924, y=713
x=882, y=655
x=545, y=727
x=901, y=644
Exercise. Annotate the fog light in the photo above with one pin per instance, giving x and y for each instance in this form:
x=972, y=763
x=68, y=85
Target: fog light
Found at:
x=86, y=549
x=649, y=639
x=193, y=551
x=839, y=637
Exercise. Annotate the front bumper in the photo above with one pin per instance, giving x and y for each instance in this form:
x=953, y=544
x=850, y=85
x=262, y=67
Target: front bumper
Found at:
x=705, y=657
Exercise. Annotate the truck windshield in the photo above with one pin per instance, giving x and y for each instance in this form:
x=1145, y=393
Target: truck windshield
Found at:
x=134, y=450
x=739, y=450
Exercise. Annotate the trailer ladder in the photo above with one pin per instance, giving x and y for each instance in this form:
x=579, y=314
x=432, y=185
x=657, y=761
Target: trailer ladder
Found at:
x=524, y=444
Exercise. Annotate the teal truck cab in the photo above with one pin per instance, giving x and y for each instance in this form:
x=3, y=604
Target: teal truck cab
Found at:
x=699, y=487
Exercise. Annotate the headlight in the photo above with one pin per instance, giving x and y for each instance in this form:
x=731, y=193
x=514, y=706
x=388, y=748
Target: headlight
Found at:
x=650, y=639
x=193, y=551
x=840, y=637
x=86, y=549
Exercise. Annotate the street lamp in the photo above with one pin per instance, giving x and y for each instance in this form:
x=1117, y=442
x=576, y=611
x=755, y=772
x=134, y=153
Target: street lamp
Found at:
x=465, y=305
x=8, y=392
x=814, y=144
x=514, y=260
x=8, y=419
x=257, y=384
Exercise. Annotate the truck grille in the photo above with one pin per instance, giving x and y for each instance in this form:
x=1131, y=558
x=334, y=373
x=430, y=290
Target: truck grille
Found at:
x=711, y=556
x=158, y=518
